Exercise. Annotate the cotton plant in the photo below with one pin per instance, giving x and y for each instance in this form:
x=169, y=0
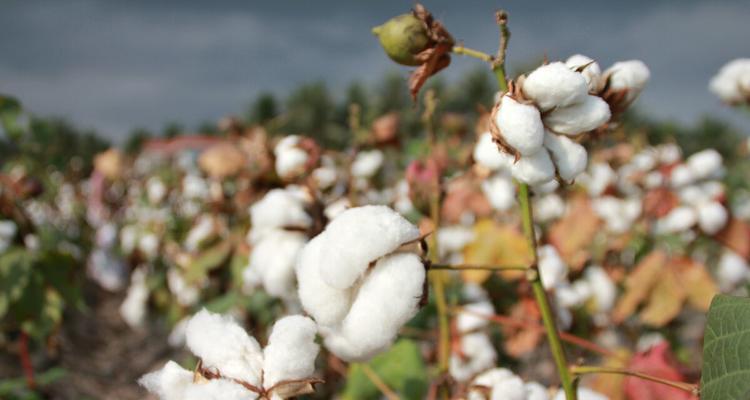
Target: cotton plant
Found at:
x=355, y=283
x=473, y=352
x=732, y=83
x=295, y=155
x=232, y=364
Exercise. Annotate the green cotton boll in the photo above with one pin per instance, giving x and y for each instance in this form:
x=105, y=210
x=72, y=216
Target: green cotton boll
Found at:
x=402, y=38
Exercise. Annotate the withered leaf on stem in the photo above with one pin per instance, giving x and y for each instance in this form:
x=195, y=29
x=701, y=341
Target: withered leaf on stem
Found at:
x=436, y=56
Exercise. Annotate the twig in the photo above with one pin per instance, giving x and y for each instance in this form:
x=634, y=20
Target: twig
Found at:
x=26, y=365
x=585, y=369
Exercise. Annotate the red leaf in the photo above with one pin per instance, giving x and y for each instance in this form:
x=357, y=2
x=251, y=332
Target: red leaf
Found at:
x=658, y=362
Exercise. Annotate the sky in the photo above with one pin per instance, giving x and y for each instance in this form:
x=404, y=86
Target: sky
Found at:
x=117, y=65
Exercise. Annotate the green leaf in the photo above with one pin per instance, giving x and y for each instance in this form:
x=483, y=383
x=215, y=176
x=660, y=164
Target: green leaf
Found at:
x=401, y=369
x=726, y=350
x=207, y=261
x=15, y=271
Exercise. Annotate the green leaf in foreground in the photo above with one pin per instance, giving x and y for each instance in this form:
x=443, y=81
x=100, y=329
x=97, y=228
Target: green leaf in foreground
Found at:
x=401, y=368
x=726, y=350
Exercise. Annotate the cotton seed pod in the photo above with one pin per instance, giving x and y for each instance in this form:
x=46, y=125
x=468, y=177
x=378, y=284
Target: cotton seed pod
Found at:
x=489, y=156
x=402, y=38
x=628, y=77
x=500, y=191
x=518, y=126
x=476, y=355
x=706, y=163
x=712, y=217
x=732, y=82
x=588, y=68
x=587, y=115
x=554, y=85
x=534, y=169
x=569, y=157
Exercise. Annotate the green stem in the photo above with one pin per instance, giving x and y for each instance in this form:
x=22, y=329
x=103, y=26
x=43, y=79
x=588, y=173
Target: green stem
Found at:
x=540, y=295
x=585, y=369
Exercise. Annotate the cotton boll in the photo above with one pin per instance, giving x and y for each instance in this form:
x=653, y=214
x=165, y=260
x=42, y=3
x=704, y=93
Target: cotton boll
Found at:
x=546, y=187
x=669, y=153
x=326, y=304
x=535, y=169
x=359, y=236
x=645, y=160
x=629, y=75
x=168, y=383
x=471, y=320
x=106, y=235
x=500, y=192
x=653, y=180
x=452, y=239
x=176, y=336
x=128, y=238
x=185, y=294
x=602, y=287
x=570, y=157
x=478, y=355
x=548, y=208
x=587, y=115
x=489, y=379
x=225, y=346
x=148, y=244
x=730, y=84
x=367, y=163
x=325, y=177
x=291, y=350
x=599, y=178
x=520, y=126
x=555, y=85
x=487, y=154
x=705, y=164
x=509, y=389
x=387, y=299
x=678, y=220
x=583, y=394
x=552, y=268
x=156, y=190
x=277, y=209
x=107, y=269
x=273, y=258
x=535, y=391
x=290, y=159
x=133, y=308
x=732, y=270
x=682, y=175
x=713, y=190
x=201, y=231
x=573, y=295
x=712, y=217
x=8, y=230
x=218, y=389
x=335, y=209
x=194, y=187
x=591, y=72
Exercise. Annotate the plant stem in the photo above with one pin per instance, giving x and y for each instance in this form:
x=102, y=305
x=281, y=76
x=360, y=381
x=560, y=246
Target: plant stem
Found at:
x=585, y=369
x=378, y=382
x=26, y=365
x=540, y=295
x=460, y=267
x=465, y=51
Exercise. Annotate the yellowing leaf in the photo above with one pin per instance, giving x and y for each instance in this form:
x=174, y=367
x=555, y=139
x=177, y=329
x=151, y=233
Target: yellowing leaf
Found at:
x=666, y=299
x=639, y=284
x=573, y=234
x=496, y=244
x=698, y=284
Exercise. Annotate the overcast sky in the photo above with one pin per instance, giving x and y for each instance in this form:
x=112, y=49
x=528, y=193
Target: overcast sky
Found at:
x=116, y=65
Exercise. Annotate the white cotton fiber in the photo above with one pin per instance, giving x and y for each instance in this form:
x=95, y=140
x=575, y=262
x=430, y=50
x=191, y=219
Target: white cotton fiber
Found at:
x=357, y=237
x=201, y=231
x=291, y=350
x=520, y=125
x=194, y=187
x=548, y=207
x=587, y=115
x=367, y=163
x=583, y=394
x=133, y=308
x=732, y=270
x=387, y=299
x=168, y=383
x=290, y=159
x=477, y=355
x=218, y=389
x=552, y=269
x=535, y=391
x=732, y=82
x=487, y=154
x=335, y=209
x=555, y=85
x=705, y=164
x=185, y=294
x=546, y=187
x=488, y=379
x=500, y=191
x=645, y=160
x=471, y=320
x=224, y=346
x=591, y=72
x=148, y=244
x=653, y=180
x=669, y=153
x=679, y=219
x=273, y=258
x=327, y=305
x=599, y=178
x=454, y=238
x=570, y=158
x=156, y=190
x=509, y=389
x=277, y=209
x=681, y=175
x=602, y=287
x=629, y=75
x=535, y=169
x=106, y=268
x=712, y=217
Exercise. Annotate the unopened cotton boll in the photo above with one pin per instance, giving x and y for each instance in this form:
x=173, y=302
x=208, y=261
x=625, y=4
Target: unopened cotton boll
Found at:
x=520, y=126
x=732, y=83
x=470, y=319
x=588, y=68
x=487, y=154
x=548, y=208
x=279, y=208
x=569, y=157
x=290, y=159
x=478, y=355
x=367, y=163
x=552, y=269
x=535, y=169
x=168, y=383
x=500, y=192
x=224, y=346
x=555, y=85
x=291, y=350
x=732, y=270
x=387, y=299
x=133, y=308
x=712, y=217
x=629, y=75
x=587, y=115
x=359, y=236
x=273, y=258
x=706, y=163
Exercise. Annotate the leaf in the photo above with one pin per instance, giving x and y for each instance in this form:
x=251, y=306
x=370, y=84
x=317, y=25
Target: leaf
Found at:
x=402, y=369
x=736, y=236
x=573, y=234
x=638, y=285
x=726, y=366
x=698, y=283
x=495, y=244
x=659, y=362
x=15, y=271
x=666, y=299
x=207, y=261
x=611, y=385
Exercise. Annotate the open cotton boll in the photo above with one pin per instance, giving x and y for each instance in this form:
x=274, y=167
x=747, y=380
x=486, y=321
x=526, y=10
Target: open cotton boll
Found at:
x=106, y=268
x=277, y=209
x=471, y=320
x=185, y=294
x=669, y=153
x=387, y=299
x=452, y=239
x=477, y=355
x=591, y=70
x=503, y=385
x=552, y=268
x=500, y=191
x=548, y=208
x=509, y=389
x=653, y=180
x=224, y=346
x=535, y=169
x=326, y=304
x=546, y=187
x=133, y=308
x=194, y=187
x=325, y=177
x=733, y=270
x=602, y=287
x=681, y=175
x=8, y=230
x=148, y=244
x=706, y=163
x=535, y=391
x=598, y=179
x=555, y=85
x=583, y=394
x=359, y=236
x=201, y=231
x=273, y=259
x=335, y=209
x=679, y=219
x=367, y=163
x=629, y=75
x=573, y=295
x=569, y=157
x=156, y=190
x=218, y=389
x=645, y=159
x=712, y=217
x=487, y=154
x=169, y=382
x=587, y=115
x=732, y=83
x=291, y=350
x=520, y=125
x=290, y=159
x=712, y=189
